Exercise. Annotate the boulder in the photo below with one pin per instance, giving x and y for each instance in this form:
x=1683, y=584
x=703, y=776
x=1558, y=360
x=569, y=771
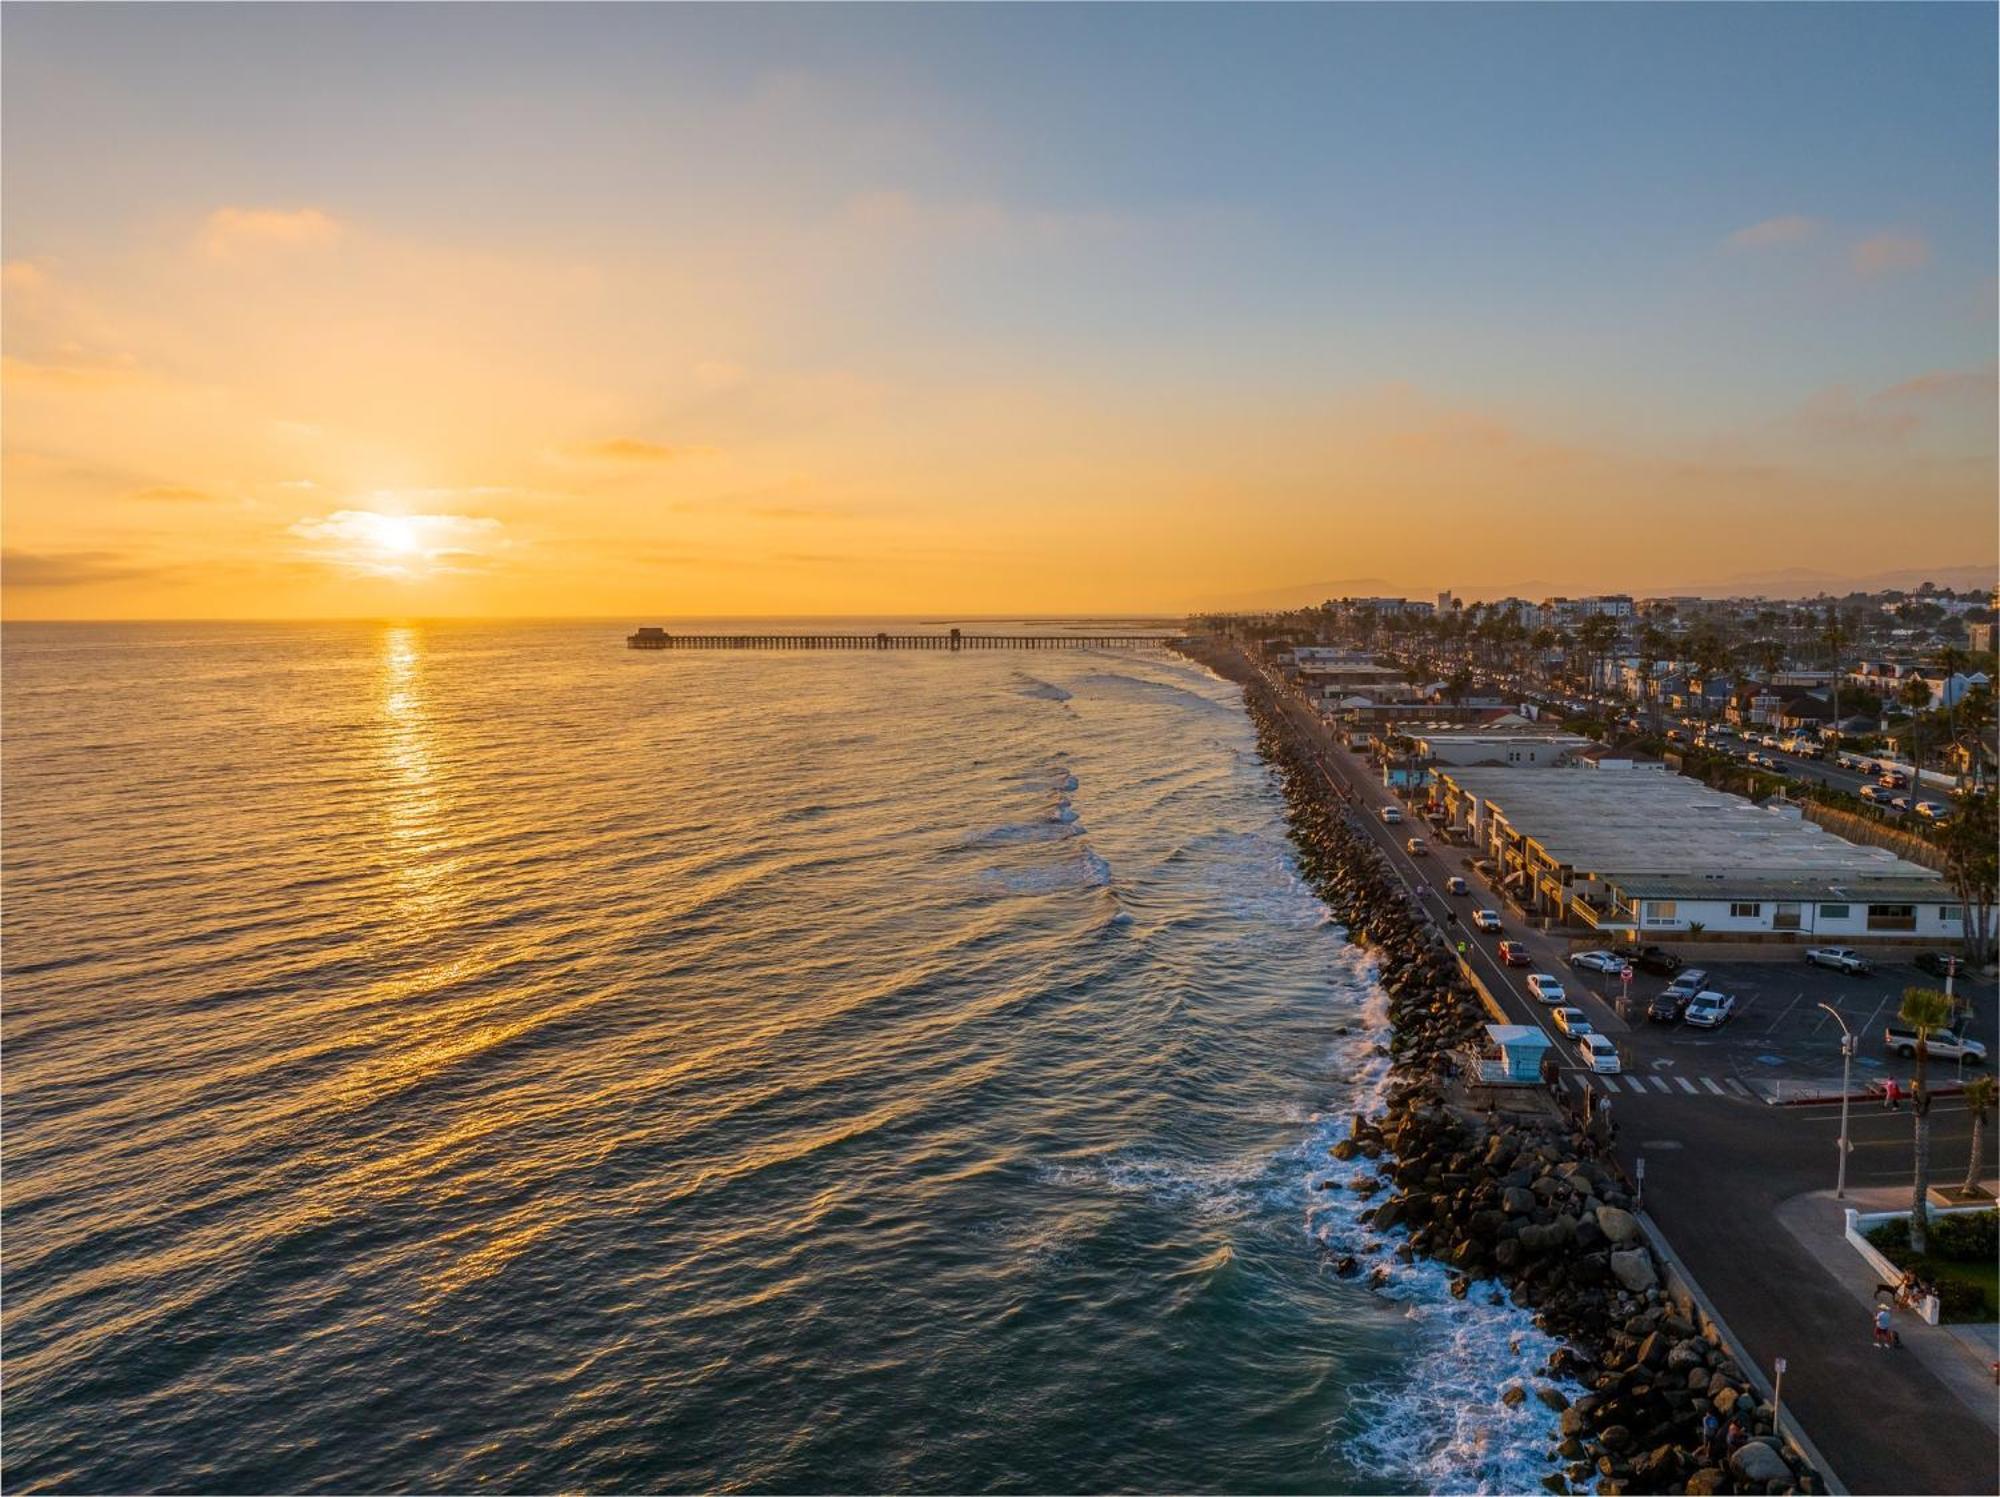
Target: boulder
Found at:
x=1759, y=1462
x=1634, y=1269
x=1615, y=1437
x=1707, y=1482
x=1622, y=1227
x=1575, y=1421
x=1345, y=1149
x=1514, y=1395
x=1553, y=1398
x=1517, y=1202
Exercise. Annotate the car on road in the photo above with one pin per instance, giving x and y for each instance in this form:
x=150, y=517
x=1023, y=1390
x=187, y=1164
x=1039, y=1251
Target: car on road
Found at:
x=1599, y=961
x=1656, y=959
x=1597, y=1052
x=1546, y=988
x=1416, y=847
x=1486, y=920
x=1899, y=803
x=1572, y=1021
x=1942, y=1044
x=1514, y=954
x=1937, y=963
x=1840, y=958
x=1456, y=885
x=1875, y=795
x=1929, y=810
x=1893, y=779
x=1668, y=1007
x=1391, y=815
x=1709, y=1010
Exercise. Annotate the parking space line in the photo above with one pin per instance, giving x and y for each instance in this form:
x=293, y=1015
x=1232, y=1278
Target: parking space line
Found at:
x=1685, y=1085
x=1786, y=1011
x=1705, y=1081
x=1660, y=1082
x=1737, y=1087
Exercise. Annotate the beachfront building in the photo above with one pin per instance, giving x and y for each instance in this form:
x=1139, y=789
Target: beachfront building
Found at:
x=1533, y=748
x=1639, y=856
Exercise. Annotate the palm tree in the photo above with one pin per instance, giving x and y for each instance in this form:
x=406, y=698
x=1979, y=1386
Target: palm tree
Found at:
x=1979, y=1097
x=1925, y=1010
x=1916, y=695
x=1833, y=634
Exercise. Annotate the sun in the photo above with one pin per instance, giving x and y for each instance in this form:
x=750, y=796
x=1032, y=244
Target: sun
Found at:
x=396, y=535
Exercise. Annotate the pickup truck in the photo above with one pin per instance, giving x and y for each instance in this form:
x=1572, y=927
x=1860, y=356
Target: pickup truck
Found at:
x=1943, y=1044
x=1840, y=958
x=1656, y=959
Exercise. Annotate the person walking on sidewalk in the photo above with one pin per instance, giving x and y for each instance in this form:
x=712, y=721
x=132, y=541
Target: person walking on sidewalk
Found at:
x=1883, y=1334
x=1892, y=1096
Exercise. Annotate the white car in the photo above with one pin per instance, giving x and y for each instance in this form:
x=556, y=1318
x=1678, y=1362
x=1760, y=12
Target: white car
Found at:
x=1840, y=958
x=1573, y=1022
x=1599, y=961
x=1391, y=816
x=1546, y=988
x=1417, y=847
x=1709, y=1010
x=1486, y=920
x=1597, y=1052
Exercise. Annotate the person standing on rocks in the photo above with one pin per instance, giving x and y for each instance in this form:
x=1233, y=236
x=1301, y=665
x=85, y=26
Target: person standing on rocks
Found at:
x=1711, y=1436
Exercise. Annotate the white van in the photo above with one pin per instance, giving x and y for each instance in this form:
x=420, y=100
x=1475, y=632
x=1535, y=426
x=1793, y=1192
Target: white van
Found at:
x=1597, y=1052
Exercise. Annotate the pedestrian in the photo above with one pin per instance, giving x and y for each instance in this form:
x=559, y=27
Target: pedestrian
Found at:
x=1892, y=1096
x=1739, y=1432
x=1882, y=1332
x=1711, y=1435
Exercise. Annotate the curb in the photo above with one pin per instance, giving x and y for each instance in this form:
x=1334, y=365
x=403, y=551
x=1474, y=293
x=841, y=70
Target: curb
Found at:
x=1788, y=1424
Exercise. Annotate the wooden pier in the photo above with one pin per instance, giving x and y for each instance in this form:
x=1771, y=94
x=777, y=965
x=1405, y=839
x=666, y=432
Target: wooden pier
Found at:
x=660, y=639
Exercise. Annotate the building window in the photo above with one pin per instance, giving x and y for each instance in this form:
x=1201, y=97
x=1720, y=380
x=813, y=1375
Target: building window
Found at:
x=1661, y=912
x=1833, y=912
x=1787, y=918
x=1892, y=917
x=1951, y=914
x=1742, y=911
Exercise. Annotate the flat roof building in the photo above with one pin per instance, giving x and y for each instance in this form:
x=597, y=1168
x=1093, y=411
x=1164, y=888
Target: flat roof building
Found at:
x=1648, y=855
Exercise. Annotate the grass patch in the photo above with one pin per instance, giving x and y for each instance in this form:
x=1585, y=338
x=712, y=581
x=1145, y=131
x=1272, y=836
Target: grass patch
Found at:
x=1961, y=1261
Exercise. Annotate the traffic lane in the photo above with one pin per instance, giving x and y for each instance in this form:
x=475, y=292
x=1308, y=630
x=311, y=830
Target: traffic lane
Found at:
x=1421, y=873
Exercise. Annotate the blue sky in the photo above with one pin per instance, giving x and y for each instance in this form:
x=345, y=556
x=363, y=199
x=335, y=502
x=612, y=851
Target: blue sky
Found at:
x=1544, y=214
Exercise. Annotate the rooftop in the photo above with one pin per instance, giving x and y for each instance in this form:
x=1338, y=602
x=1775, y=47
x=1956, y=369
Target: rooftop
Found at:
x=1636, y=829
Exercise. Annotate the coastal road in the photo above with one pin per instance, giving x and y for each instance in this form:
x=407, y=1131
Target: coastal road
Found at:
x=1719, y=1161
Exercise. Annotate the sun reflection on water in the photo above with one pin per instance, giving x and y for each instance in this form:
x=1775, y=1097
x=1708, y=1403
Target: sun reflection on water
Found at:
x=415, y=823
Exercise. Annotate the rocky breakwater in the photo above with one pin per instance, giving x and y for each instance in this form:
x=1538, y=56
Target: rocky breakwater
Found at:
x=1519, y=1201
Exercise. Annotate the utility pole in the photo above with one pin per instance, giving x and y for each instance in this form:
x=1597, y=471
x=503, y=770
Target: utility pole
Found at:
x=1846, y=1077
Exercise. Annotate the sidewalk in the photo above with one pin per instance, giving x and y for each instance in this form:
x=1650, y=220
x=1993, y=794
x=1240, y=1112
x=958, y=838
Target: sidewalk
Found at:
x=1959, y=1357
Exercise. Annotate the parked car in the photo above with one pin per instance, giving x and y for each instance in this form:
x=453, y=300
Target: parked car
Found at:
x=1937, y=963
x=1572, y=1021
x=1486, y=920
x=1709, y=1010
x=1689, y=981
x=1546, y=988
x=1598, y=961
x=1597, y=1052
x=1668, y=1007
x=1392, y=815
x=1417, y=847
x=1514, y=954
x=1457, y=885
x=1656, y=959
x=1840, y=958
x=1942, y=1044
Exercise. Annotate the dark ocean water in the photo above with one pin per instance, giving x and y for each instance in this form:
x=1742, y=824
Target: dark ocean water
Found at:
x=445, y=1057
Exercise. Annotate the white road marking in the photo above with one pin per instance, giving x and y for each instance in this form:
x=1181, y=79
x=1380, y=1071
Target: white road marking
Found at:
x=1711, y=1086
x=1660, y=1082
x=1737, y=1087
x=1685, y=1085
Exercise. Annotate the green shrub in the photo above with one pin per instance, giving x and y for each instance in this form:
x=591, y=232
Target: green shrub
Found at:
x=1966, y=1237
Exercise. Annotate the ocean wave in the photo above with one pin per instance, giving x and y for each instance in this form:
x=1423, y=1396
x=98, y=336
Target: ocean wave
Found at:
x=1045, y=691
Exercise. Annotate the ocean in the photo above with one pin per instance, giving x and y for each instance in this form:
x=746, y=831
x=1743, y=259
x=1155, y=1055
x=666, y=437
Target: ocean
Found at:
x=454, y=1056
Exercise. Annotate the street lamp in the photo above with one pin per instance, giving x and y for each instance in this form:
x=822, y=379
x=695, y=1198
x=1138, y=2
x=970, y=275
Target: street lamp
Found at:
x=1846, y=1074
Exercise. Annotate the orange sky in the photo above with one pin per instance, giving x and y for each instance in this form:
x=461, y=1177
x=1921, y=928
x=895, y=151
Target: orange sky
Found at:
x=901, y=379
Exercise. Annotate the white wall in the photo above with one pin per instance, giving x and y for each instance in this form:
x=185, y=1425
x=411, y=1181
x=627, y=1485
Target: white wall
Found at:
x=1715, y=918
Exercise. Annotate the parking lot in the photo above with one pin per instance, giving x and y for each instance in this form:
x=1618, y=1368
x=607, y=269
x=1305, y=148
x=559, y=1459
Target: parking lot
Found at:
x=1779, y=1038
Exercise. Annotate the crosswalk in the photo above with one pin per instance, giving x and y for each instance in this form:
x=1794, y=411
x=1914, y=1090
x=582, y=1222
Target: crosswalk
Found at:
x=1673, y=1086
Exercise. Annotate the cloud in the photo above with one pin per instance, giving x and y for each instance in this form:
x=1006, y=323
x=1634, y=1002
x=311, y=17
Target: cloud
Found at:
x=67, y=568
x=1791, y=228
x=22, y=275
x=377, y=543
x=230, y=232
x=172, y=493
x=632, y=450
x=82, y=373
x=1886, y=253
x=1899, y=411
